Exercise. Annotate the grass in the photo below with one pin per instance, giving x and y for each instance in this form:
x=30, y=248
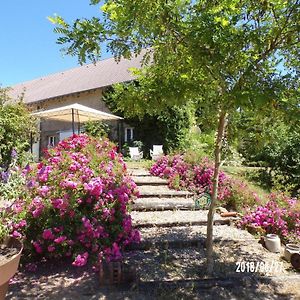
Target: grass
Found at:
x=143, y=163
x=244, y=174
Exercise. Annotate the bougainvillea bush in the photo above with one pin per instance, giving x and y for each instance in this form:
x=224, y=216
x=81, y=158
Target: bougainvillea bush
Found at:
x=194, y=177
x=280, y=215
x=75, y=203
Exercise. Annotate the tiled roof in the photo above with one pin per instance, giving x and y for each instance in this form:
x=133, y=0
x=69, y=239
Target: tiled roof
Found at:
x=87, y=77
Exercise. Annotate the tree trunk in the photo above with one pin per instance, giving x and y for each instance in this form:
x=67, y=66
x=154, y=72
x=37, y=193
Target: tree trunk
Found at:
x=210, y=217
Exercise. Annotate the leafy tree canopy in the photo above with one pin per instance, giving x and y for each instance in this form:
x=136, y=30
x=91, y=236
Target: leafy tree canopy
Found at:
x=230, y=54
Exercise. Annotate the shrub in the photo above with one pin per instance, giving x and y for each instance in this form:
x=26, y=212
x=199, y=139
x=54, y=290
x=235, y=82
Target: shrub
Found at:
x=16, y=126
x=194, y=177
x=11, y=180
x=200, y=145
x=280, y=215
x=96, y=128
x=242, y=196
x=75, y=203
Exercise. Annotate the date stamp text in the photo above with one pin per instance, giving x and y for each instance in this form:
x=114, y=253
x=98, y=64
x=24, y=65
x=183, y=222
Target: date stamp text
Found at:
x=259, y=267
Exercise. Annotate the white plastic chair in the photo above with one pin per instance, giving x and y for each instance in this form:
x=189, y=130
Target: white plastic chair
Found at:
x=157, y=152
x=135, y=154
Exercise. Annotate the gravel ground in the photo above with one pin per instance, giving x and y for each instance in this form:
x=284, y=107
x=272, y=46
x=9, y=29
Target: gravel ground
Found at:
x=232, y=257
x=171, y=216
x=223, y=232
x=168, y=274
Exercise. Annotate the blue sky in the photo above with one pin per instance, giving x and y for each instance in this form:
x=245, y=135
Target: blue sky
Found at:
x=28, y=44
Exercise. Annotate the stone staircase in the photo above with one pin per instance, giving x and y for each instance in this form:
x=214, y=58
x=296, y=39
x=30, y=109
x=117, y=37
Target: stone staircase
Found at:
x=172, y=251
x=171, y=225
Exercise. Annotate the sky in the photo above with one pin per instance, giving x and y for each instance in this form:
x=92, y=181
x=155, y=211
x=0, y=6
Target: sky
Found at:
x=28, y=47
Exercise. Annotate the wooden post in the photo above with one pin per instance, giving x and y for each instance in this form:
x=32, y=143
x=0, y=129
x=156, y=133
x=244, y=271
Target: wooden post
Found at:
x=73, y=125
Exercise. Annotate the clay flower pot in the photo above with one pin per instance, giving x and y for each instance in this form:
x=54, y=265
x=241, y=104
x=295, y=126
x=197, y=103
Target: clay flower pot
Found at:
x=9, y=266
x=290, y=249
x=272, y=242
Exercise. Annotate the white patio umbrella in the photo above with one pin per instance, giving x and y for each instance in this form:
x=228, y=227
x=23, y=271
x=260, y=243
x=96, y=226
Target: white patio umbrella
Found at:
x=82, y=112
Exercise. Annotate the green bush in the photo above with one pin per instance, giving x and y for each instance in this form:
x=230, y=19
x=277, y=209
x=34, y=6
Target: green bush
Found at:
x=199, y=145
x=96, y=128
x=16, y=128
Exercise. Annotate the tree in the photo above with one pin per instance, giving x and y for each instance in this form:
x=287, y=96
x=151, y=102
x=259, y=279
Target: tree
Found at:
x=97, y=129
x=170, y=127
x=275, y=144
x=16, y=126
x=223, y=54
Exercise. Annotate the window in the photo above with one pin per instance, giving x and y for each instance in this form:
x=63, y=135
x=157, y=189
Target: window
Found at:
x=128, y=134
x=51, y=141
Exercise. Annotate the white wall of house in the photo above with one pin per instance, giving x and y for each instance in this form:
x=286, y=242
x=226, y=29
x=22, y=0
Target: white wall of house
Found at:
x=63, y=134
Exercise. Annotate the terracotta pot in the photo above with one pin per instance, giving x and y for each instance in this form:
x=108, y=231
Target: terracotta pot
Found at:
x=272, y=242
x=9, y=268
x=291, y=249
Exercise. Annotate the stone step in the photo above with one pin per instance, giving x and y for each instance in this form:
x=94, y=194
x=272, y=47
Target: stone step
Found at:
x=160, y=204
x=138, y=172
x=161, y=191
x=175, y=218
x=186, y=236
x=149, y=180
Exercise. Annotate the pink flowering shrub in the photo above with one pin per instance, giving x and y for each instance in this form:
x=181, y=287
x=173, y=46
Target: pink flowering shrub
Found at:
x=280, y=215
x=75, y=203
x=242, y=196
x=194, y=177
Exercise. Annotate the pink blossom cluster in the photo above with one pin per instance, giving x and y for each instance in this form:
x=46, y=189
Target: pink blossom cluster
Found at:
x=76, y=203
x=280, y=215
x=196, y=178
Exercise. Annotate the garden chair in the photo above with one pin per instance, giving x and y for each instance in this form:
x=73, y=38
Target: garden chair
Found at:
x=157, y=152
x=135, y=154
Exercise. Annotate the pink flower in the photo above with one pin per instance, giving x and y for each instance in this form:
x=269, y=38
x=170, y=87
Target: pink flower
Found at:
x=16, y=234
x=38, y=248
x=60, y=239
x=94, y=187
x=51, y=248
x=115, y=253
x=81, y=260
x=69, y=184
x=48, y=235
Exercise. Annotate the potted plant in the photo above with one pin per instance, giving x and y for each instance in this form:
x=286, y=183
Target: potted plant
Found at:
x=10, y=250
x=10, y=253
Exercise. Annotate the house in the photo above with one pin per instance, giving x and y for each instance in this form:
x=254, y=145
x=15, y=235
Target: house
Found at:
x=83, y=85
